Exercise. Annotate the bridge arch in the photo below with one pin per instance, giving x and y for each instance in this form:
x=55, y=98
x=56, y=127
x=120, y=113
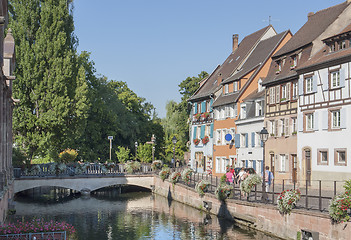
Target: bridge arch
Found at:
x=83, y=184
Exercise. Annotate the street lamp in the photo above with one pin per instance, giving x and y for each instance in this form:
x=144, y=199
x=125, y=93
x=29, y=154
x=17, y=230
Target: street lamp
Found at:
x=264, y=137
x=174, y=141
x=153, y=140
x=136, y=150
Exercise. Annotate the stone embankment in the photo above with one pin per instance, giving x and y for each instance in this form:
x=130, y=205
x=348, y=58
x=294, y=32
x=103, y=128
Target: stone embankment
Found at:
x=262, y=217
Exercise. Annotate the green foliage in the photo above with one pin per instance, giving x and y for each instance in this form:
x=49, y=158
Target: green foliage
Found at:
x=347, y=186
x=68, y=155
x=223, y=179
x=122, y=154
x=132, y=166
x=202, y=186
x=42, y=160
x=223, y=191
x=144, y=153
x=249, y=182
x=188, y=87
x=164, y=173
x=19, y=157
x=287, y=200
x=338, y=208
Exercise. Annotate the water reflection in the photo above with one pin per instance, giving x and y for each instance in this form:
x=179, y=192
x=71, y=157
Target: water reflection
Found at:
x=138, y=215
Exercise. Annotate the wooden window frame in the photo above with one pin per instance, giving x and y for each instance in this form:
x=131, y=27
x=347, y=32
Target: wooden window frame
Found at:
x=305, y=130
x=330, y=119
x=330, y=79
x=305, y=78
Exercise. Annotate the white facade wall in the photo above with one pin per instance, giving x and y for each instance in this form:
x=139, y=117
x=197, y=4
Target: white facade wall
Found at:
x=324, y=137
x=250, y=153
x=206, y=149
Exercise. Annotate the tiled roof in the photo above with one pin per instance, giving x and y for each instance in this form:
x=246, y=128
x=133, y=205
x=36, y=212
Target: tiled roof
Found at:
x=224, y=99
x=255, y=95
x=259, y=56
x=314, y=27
x=230, y=64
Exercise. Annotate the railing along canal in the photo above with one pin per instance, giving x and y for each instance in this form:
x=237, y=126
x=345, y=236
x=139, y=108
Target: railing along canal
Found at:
x=37, y=236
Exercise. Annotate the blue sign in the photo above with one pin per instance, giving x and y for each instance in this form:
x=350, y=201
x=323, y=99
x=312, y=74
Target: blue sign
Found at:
x=228, y=137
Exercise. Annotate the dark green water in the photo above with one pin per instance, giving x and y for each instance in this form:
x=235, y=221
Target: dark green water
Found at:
x=138, y=215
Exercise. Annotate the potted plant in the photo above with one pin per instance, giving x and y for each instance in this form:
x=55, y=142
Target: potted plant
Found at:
x=249, y=182
x=205, y=115
x=196, y=141
x=164, y=173
x=223, y=191
x=174, y=177
x=205, y=140
x=197, y=116
x=287, y=200
x=340, y=204
x=202, y=186
x=186, y=175
x=156, y=165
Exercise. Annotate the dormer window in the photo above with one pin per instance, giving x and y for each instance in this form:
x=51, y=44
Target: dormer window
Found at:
x=332, y=47
x=259, y=85
x=235, y=86
x=293, y=62
x=226, y=88
x=342, y=44
x=279, y=67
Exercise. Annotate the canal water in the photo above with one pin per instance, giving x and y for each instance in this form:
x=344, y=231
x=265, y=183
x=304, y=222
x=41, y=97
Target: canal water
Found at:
x=111, y=214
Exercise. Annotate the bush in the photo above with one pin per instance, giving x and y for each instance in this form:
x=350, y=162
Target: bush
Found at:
x=338, y=208
x=122, y=154
x=202, y=186
x=223, y=179
x=68, y=155
x=223, y=191
x=249, y=182
x=132, y=166
x=287, y=200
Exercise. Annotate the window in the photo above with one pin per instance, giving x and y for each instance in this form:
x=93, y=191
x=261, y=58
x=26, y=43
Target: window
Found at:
x=335, y=79
x=279, y=66
x=272, y=127
x=218, y=164
x=244, y=140
x=227, y=111
x=294, y=127
x=208, y=130
x=342, y=44
x=218, y=136
x=309, y=122
x=222, y=113
x=235, y=86
x=224, y=132
x=282, y=121
x=332, y=47
x=232, y=112
x=216, y=114
x=226, y=88
x=308, y=84
x=259, y=109
x=243, y=112
x=294, y=96
x=225, y=164
x=284, y=93
x=340, y=157
x=286, y=131
x=294, y=61
x=282, y=162
x=322, y=157
x=271, y=95
x=335, y=119
x=208, y=107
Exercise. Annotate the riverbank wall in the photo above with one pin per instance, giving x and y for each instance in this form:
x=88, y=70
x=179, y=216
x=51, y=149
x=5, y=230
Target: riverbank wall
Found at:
x=6, y=197
x=261, y=217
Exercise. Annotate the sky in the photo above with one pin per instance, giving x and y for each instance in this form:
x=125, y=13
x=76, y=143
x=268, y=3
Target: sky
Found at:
x=153, y=45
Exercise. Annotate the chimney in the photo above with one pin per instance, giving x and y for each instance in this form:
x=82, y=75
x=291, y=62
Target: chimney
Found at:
x=310, y=14
x=235, y=41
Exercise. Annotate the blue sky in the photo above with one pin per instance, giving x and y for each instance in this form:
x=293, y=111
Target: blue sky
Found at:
x=153, y=45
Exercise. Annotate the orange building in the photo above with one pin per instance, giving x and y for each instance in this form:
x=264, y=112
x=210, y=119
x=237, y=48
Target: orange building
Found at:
x=239, y=76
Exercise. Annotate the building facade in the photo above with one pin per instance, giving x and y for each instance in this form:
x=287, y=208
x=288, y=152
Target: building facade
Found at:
x=6, y=105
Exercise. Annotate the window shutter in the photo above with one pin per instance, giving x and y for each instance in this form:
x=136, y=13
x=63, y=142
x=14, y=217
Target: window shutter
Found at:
x=301, y=81
x=314, y=83
x=276, y=128
x=253, y=139
x=342, y=77
x=315, y=123
x=254, y=164
x=286, y=163
x=246, y=163
x=237, y=140
x=287, y=126
x=300, y=122
x=211, y=103
x=325, y=120
x=195, y=108
x=277, y=93
x=288, y=91
x=246, y=140
x=194, y=134
x=203, y=107
x=202, y=131
x=211, y=130
x=343, y=118
x=325, y=79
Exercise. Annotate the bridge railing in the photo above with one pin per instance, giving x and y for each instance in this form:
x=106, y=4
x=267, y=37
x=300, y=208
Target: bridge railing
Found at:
x=86, y=169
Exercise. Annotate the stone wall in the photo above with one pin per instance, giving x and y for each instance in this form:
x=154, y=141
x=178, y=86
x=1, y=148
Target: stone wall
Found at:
x=265, y=218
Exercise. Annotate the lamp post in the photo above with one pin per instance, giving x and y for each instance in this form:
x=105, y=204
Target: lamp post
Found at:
x=174, y=141
x=153, y=140
x=136, y=150
x=264, y=137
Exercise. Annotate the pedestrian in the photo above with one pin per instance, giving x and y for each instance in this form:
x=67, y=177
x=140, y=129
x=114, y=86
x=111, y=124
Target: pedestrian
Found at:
x=241, y=175
x=234, y=175
x=268, y=179
x=229, y=177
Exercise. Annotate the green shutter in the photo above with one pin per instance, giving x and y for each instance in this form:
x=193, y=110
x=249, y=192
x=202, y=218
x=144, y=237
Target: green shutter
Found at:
x=202, y=131
x=194, y=134
x=195, y=108
x=211, y=131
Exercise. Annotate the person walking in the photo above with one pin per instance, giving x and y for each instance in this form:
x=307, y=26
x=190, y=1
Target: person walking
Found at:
x=229, y=177
x=268, y=179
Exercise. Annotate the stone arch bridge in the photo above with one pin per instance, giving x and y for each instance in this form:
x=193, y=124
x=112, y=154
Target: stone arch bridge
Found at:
x=84, y=184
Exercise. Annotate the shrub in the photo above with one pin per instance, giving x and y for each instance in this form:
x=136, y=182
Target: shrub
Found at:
x=68, y=155
x=249, y=182
x=223, y=179
x=202, y=186
x=132, y=166
x=174, y=177
x=287, y=200
x=223, y=191
x=186, y=174
x=122, y=154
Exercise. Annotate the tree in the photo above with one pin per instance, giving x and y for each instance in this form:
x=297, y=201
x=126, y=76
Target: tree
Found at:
x=122, y=154
x=188, y=87
x=49, y=83
x=144, y=153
